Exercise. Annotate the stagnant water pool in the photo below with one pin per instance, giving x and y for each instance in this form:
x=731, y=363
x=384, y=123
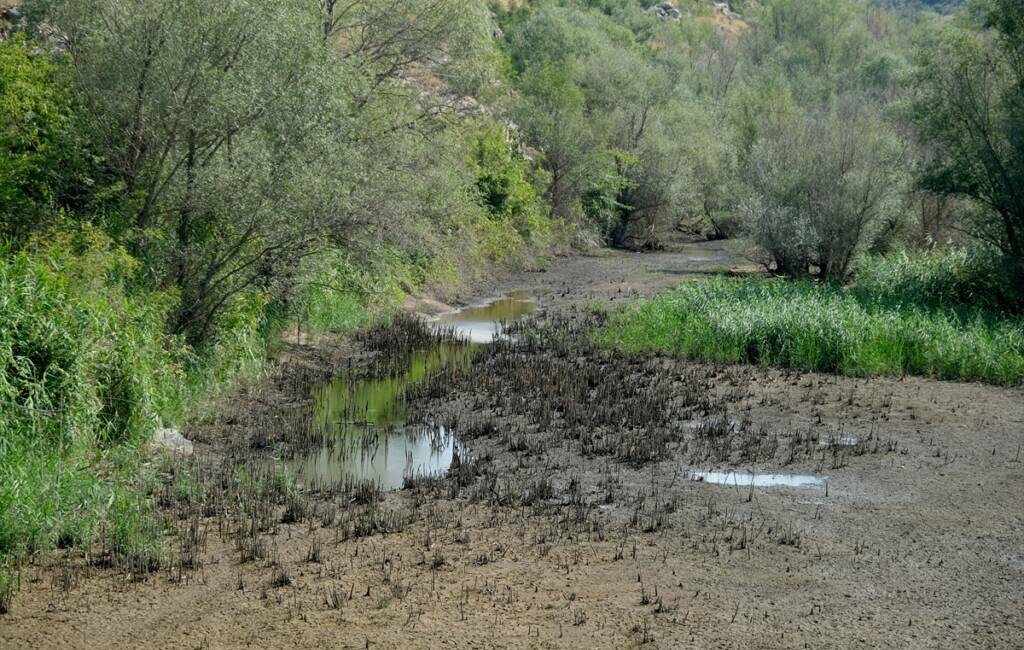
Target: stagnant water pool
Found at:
x=366, y=435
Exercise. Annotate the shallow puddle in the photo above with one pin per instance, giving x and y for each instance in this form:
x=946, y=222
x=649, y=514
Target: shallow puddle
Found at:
x=386, y=458
x=838, y=441
x=482, y=323
x=746, y=479
x=366, y=437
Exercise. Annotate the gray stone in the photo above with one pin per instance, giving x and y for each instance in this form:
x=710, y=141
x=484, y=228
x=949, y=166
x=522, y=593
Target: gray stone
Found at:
x=726, y=10
x=666, y=10
x=171, y=440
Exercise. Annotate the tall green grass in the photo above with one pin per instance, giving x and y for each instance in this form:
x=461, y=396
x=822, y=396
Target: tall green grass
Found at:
x=88, y=372
x=85, y=373
x=810, y=326
x=960, y=278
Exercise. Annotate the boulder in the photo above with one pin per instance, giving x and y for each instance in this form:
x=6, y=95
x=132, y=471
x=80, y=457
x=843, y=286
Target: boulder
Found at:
x=726, y=10
x=9, y=17
x=172, y=441
x=666, y=10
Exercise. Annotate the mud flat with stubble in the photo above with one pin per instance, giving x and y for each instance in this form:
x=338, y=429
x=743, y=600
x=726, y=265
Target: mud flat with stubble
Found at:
x=585, y=498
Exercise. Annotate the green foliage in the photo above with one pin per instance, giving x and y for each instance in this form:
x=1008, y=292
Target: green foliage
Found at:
x=954, y=278
x=76, y=347
x=819, y=189
x=504, y=182
x=970, y=107
x=340, y=296
x=85, y=373
x=36, y=139
x=942, y=6
x=552, y=114
x=818, y=327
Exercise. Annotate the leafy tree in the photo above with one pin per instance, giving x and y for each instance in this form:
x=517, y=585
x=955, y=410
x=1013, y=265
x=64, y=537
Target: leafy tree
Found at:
x=208, y=119
x=552, y=116
x=819, y=188
x=38, y=141
x=244, y=148
x=970, y=104
x=382, y=40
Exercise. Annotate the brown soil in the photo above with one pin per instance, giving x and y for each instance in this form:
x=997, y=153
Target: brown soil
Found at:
x=915, y=543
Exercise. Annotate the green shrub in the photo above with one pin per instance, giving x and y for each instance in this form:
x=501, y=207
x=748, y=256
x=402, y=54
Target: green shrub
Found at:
x=337, y=294
x=505, y=182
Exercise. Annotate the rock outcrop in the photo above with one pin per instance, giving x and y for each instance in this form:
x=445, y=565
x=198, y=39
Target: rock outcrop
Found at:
x=666, y=10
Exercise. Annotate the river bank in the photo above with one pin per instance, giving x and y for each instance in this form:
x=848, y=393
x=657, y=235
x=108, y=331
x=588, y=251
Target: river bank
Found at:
x=583, y=509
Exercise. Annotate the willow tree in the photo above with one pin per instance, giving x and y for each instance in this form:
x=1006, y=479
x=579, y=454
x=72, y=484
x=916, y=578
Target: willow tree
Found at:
x=246, y=140
x=819, y=187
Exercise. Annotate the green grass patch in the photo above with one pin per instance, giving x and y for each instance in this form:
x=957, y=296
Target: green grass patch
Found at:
x=88, y=372
x=811, y=326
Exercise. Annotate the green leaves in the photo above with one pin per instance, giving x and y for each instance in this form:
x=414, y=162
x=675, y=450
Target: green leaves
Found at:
x=819, y=188
x=36, y=143
x=969, y=105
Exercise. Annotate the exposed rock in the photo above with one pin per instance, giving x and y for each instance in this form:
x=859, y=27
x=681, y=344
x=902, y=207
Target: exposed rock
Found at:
x=9, y=19
x=666, y=10
x=467, y=105
x=171, y=440
x=726, y=10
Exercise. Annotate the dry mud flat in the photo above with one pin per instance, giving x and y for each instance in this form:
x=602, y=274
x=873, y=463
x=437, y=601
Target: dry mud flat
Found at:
x=859, y=513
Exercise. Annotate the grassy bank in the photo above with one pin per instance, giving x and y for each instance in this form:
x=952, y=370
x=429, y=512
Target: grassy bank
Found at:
x=873, y=330
x=88, y=372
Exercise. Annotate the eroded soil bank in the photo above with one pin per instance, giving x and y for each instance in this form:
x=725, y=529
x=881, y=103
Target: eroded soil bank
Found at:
x=853, y=513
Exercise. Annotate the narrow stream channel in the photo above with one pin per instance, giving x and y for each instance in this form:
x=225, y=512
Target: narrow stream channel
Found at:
x=367, y=438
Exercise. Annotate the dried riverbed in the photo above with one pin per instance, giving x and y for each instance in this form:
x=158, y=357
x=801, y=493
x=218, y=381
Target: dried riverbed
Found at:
x=557, y=495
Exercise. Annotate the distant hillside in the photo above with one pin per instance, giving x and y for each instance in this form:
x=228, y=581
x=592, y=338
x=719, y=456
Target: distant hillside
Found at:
x=941, y=6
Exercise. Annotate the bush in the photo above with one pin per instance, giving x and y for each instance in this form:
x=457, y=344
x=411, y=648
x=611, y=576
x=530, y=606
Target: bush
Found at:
x=41, y=157
x=504, y=180
x=818, y=190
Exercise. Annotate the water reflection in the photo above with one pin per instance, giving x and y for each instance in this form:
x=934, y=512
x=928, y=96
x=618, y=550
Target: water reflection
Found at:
x=366, y=436
x=482, y=323
x=365, y=433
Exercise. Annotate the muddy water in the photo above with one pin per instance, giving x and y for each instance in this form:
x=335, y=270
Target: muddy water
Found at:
x=366, y=436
